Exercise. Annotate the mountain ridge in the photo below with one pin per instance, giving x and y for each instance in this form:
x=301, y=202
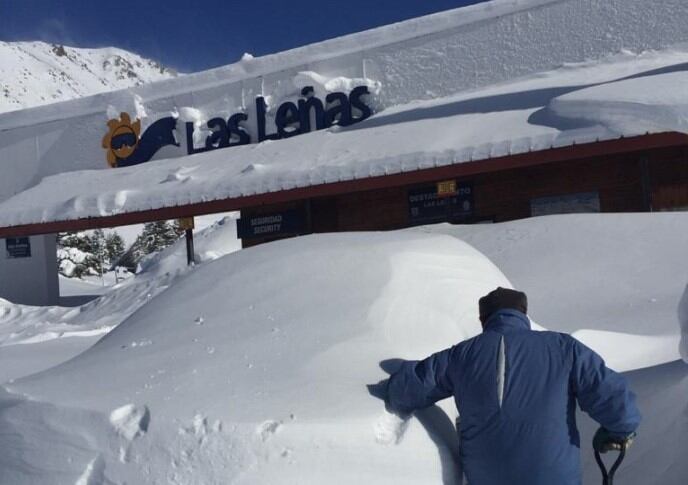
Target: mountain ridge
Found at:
x=38, y=73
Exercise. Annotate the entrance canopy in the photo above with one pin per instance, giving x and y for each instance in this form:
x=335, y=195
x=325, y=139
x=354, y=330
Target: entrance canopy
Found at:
x=626, y=104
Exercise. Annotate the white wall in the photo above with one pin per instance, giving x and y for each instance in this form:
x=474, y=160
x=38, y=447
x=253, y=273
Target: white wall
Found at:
x=34, y=280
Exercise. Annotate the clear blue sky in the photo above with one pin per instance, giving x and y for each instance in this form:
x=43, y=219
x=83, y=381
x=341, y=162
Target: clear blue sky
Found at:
x=194, y=35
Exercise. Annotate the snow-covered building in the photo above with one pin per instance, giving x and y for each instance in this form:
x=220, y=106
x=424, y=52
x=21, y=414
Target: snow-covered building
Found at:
x=493, y=112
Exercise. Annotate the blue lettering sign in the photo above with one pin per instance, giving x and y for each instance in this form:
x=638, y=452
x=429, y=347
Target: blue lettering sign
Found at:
x=125, y=146
x=290, y=222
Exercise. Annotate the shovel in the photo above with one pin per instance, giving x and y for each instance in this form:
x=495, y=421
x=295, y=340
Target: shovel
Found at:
x=608, y=476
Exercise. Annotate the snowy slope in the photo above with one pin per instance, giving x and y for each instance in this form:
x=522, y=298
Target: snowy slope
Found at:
x=631, y=263
x=59, y=333
x=36, y=73
x=202, y=371
x=252, y=368
x=651, y=103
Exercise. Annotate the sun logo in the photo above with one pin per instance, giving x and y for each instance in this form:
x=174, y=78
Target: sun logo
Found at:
x=122, y=138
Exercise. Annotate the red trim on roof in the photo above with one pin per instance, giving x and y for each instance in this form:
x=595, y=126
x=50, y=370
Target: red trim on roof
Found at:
x=463, y=169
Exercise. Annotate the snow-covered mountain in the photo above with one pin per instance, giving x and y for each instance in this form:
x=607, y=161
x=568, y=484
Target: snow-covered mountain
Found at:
x=35, y=73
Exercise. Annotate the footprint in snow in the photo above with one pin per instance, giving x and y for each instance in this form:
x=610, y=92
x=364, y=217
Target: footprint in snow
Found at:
x=130, y=421
x=267, y=429
x=390, y=428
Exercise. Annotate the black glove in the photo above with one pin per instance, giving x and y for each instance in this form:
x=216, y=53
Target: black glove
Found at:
x=604, y=441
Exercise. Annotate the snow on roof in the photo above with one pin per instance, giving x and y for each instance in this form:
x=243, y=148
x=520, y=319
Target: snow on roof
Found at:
x=621, y=96
x=645, y=103
x=249, y=67
x=470, y=46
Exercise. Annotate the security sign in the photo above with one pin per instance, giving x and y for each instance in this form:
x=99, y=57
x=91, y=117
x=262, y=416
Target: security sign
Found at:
x=269, y=225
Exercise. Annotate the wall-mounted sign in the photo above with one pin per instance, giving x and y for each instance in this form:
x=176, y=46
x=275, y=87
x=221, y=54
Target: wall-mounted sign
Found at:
x=274, y=224
x=565, y=204
x=18, y=247
x=125, y=145
x=445, y=201
x=446, y=188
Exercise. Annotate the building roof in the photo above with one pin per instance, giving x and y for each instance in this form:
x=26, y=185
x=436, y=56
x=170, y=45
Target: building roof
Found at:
x=624, y=98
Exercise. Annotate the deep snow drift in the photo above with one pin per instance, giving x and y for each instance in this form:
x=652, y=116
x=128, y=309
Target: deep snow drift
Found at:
x=255, y=367
x=59, y=333
x=252, y=368
x=621, y=273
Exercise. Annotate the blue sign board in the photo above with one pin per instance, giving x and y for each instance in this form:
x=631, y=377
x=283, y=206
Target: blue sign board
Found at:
x=427, y=205
x=274, y=224
x=18, y=247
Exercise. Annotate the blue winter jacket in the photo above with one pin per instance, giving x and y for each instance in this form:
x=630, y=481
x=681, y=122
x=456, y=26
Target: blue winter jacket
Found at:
x=516, y=391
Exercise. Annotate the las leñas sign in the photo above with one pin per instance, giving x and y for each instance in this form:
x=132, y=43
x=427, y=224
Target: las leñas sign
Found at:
x=126, y=145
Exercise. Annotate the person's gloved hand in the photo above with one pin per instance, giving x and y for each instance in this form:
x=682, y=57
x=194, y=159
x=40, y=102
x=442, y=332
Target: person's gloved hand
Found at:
x=604, y=441
x=379, y=391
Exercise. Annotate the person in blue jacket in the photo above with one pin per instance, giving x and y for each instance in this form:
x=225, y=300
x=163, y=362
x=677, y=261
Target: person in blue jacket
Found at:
x=516, y=391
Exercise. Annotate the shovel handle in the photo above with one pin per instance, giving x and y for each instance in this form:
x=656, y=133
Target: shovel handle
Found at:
x=608, y=476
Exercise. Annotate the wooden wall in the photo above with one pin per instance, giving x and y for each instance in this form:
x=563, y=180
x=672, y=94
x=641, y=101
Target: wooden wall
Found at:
x=668, y=176
x=634, y=182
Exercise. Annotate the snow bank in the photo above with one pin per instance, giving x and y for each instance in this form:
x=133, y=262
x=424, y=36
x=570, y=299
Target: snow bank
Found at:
x=43, y=327
x=22, y=324
x=211, y=242
x=252, y=368
x=616, y=280
x=33, y=339
x=683, y=320
x=64, y=443
x=658, y=454
x=258, y=362
x=624, y=352
x=630, y=107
